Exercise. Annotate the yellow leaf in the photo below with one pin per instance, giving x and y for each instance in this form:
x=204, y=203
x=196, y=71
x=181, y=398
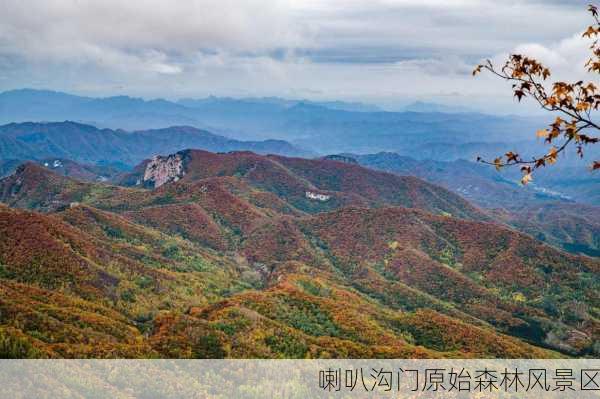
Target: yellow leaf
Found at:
x=498, y=163
x=589, y=32
x=552, y=155
x=526, y=179
x=519, y=297
x=541, y=133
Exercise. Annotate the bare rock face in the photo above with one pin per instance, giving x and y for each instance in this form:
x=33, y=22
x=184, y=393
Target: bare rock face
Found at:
x=341, y=158
x=163, y=169
x=317, y=196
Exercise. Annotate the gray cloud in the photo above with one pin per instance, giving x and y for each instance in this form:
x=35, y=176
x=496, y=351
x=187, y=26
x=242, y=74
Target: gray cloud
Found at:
x=376, y=50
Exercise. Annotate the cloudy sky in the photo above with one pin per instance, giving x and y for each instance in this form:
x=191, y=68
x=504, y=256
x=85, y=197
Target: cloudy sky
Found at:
x=386, y=52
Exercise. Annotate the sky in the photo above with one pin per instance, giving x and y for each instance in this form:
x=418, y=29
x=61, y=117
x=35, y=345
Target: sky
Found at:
x=384, y=52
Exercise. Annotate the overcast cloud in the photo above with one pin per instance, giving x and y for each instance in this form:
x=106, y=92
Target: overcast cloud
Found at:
x=381, y=51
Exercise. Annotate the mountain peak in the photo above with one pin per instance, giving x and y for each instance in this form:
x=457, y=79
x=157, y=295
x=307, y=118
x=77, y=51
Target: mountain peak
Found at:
x=310, y=185
x=35, y=186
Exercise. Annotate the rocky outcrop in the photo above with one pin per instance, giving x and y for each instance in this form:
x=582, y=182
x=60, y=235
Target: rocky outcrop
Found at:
x=317, y=196
x=163, y=169
x=341, y=158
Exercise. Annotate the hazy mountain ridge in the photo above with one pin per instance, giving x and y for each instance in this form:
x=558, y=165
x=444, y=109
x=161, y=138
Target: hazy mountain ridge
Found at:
x=422, y=106
x=339, y=122
x=29, y=105
x=88, y=144
x=475, y=182
x=545, y=208
x=321, y=127
x=486, y=186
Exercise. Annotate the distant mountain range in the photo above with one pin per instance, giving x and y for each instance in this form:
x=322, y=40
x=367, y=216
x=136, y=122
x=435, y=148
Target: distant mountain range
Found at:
x=88, y=144
x=275, y=102
x=489, y=188
x=320, y=127
x=420, y=106
x=325, y=127
x=244, y=255
x=123, y=112
x=557, y=208
x=108, y=155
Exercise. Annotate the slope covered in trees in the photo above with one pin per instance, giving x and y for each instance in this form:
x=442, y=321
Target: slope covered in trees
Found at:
x=233, y=259
x=560, y=207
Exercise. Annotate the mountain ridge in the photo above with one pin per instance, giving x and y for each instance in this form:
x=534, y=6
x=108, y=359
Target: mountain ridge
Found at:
x=569, y=219
x=257, y=272
x=86, y=143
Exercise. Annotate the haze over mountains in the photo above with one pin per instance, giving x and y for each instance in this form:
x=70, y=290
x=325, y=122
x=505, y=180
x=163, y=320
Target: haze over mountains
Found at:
x=490, y=188
x=438, y=145
x=243, y=255
x=88, y=144
x=560, y=207
x=323, y=127
x=123, y=112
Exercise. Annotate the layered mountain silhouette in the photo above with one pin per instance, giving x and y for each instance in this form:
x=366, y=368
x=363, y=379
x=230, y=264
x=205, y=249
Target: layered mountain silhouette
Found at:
x=105, y=155
x=197, y=254
x=490, y=188
x=323, y=127
x=88, y=144
x=560, y=207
